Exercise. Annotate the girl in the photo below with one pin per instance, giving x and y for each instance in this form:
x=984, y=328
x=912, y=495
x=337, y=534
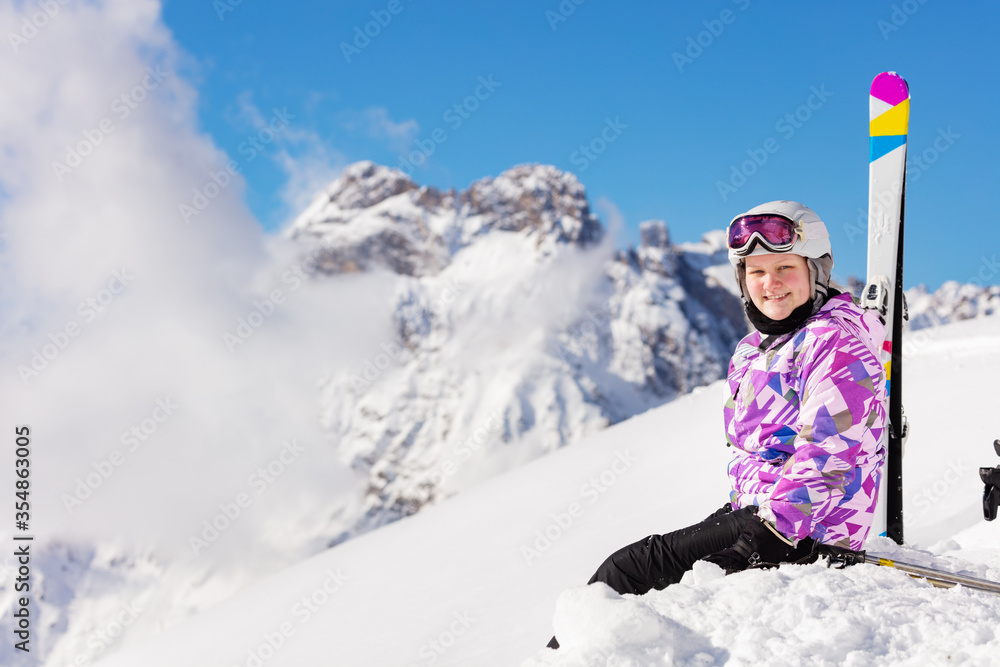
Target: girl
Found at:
x=805, y=414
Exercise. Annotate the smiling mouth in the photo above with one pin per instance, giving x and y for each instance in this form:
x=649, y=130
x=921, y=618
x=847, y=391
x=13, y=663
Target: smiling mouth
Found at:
x=777, y=297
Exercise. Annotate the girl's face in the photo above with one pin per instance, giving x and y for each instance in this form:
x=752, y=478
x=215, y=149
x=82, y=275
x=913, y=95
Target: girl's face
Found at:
x=778, y=283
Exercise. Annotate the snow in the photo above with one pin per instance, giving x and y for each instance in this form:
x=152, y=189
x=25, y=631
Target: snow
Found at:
x=793, y=615
x=486, y=577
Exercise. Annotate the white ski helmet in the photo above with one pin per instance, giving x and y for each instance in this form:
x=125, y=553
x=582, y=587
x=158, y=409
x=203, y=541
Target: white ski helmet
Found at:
x=812, y=241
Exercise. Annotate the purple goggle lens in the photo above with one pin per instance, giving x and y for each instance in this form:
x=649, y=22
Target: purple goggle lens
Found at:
x=774, y=232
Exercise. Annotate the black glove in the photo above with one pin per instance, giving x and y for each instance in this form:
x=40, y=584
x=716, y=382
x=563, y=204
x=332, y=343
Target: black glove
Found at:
x=759, y=545
x=722, y=511
x=836, y=557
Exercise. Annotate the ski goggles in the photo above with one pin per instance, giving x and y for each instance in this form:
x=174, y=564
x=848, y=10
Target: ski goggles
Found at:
x=775, y=232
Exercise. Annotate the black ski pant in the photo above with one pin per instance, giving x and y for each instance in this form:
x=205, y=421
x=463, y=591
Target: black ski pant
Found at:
x=660, y=560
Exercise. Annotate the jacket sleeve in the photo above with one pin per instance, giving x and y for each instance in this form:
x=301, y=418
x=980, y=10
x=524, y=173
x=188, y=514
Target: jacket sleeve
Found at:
x=839, y=389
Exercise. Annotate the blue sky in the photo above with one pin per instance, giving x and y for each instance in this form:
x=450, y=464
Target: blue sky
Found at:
x=670, y=98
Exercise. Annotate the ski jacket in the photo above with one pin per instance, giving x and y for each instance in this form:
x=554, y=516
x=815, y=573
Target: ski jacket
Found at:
x=806, y=418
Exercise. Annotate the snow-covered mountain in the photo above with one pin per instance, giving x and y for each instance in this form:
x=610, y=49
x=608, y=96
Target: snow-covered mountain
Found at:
x=483, y=578
x=951, y=302
x=516, y=329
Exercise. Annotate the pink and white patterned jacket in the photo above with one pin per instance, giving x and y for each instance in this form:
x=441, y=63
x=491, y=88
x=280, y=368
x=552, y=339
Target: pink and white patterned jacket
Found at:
x=806, y=419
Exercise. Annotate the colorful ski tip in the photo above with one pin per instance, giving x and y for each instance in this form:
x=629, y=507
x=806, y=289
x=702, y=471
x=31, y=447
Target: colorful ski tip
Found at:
x=889, y=114
x=890, y=88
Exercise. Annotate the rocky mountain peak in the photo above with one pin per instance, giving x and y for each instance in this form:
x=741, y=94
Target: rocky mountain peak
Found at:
x=538, y=198
x=654, y=234
x=365, y=184
x=376, y=217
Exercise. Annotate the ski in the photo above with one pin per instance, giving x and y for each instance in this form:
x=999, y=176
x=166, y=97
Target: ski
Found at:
x=841, y=558
x=938, y=578
x=889, y=107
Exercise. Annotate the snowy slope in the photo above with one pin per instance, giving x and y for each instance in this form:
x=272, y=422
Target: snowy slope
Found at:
x=483, y=578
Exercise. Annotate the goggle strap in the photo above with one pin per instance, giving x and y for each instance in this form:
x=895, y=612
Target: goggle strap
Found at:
x=758, y=239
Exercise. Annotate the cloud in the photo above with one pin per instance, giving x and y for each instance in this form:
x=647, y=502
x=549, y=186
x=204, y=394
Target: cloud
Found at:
x=375, y=123
x=129, y=267
x=380, y=126
x=614, y=220
x=246, y=112
x=310, y=165
x=310, y=162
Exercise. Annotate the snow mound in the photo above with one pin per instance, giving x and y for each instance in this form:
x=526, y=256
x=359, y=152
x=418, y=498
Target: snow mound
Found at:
x=798, y=614
x=594, y=623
